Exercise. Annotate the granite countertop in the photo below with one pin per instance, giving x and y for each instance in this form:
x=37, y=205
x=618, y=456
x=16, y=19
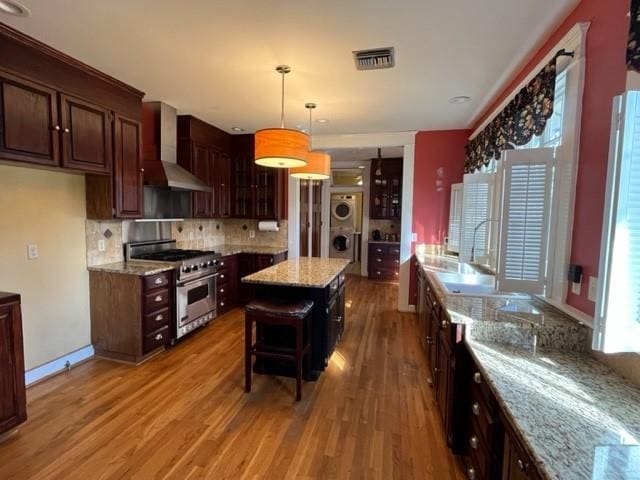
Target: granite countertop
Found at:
x=134, y=268
x=230, y=249
x=577, y=418
x=309, y=272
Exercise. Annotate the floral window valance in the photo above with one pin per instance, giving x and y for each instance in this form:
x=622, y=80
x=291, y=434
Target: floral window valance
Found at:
x=633, y=44
x=525, y=116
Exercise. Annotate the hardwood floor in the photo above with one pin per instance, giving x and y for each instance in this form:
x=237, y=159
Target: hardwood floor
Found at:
x=184, y=413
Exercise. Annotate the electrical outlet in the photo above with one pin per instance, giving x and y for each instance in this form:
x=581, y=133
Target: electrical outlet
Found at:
x=102, y=246
x=575, y=288
x=414, y=237
x=252, y=234
x=593, y=289
x=32, y=251
x=190, y=235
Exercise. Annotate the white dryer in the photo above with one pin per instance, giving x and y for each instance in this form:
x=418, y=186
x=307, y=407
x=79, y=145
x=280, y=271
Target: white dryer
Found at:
x=342, y=244
x=343, y=211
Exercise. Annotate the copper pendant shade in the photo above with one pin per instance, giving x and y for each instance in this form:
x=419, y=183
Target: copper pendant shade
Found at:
x=281, y=147
x=319, y=163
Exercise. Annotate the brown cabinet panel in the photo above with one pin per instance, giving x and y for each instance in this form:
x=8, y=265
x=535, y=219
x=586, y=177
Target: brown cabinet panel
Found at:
x=13, y=408
x=386, y=189
x=221, y=182
x=128, y=171
x=29, y=129
x=200, y=167
x=86, y=136
x=267, y=193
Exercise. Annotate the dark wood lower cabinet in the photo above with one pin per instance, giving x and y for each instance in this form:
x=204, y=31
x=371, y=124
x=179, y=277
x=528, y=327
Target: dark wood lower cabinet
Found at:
x=131, y=316
x=474, y=425
x=384, y=261
x=13, y=400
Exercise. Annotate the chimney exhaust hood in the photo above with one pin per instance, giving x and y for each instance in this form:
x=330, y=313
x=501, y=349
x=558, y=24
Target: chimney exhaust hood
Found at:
x=159, y=150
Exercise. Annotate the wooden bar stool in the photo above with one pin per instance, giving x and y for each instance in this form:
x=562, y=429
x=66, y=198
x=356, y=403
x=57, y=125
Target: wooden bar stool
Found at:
x=277, y=312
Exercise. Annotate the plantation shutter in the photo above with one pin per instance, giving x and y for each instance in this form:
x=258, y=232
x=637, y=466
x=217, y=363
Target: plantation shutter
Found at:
x=476, y=210
x=617, y=316
x=455, y=217
x=526, y=210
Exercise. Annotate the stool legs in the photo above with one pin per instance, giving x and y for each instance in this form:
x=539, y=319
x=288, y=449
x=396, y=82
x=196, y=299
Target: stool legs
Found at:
x=299, y=357
x=248, y=338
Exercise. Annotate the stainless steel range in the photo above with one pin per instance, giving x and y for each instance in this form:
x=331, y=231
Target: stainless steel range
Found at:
x=196, y=272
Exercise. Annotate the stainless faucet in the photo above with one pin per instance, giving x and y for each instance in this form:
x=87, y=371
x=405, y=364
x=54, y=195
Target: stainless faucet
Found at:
x=475, y=230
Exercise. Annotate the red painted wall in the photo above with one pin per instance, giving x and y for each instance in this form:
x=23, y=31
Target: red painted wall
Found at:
x=605, y=78
x=439, y=155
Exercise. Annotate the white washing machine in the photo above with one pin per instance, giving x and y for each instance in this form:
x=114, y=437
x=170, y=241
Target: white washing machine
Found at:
x=342, y=244
x=343, y=211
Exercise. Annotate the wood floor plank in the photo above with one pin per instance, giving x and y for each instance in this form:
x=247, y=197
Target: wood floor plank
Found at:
x=184, y=413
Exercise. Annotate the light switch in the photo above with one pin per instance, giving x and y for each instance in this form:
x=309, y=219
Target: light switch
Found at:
x=252, y=234
x=575, y=288
x=32, y=251
x=414, y=237
x=101, y=245
x=593, y=289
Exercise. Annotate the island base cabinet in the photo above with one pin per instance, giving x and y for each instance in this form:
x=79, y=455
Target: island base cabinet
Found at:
x=13, y=403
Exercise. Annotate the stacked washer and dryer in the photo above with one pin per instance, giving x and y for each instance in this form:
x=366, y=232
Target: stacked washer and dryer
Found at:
x=343, y=227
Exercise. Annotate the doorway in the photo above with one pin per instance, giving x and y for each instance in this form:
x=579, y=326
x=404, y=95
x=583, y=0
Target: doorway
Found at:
x=310, y=218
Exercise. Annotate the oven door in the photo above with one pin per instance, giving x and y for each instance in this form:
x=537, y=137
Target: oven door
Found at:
x=195, y=303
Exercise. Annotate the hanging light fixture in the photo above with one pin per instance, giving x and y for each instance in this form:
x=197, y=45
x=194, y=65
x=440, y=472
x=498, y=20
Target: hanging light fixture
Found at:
x=281, y=147
x=319, y=166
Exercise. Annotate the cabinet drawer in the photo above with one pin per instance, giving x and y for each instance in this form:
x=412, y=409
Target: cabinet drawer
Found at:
x=483, y=416
x=480, y=389
x=394, y=250
x=155, y=340
x=224, y=305
x=341, y=278
x=479, y=453
x=333, y=287
x=386, y=261
x=156, y=281
x=156, y=300
x=156, y=320
x=383, y=273
x=378, y=249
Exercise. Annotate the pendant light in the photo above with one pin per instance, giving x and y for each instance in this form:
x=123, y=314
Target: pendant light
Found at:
x=281, y=147
x=319, y=166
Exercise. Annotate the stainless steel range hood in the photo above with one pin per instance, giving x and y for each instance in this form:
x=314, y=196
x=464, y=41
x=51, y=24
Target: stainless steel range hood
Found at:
x=160, y=148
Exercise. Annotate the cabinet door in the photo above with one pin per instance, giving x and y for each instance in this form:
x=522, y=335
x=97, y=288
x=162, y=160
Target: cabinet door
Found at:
x=264, y=261
x=223, y=186
x=333, y=320
x=266, y=193
x=13, y=409
x=442, y=385
x=200, y=162
x=86, y=136
x=341, y=313
x=244, y=191
x=29, y=129
x=127, y=168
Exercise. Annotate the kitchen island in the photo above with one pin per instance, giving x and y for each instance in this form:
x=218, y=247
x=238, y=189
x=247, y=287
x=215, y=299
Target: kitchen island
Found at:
x=321, y=280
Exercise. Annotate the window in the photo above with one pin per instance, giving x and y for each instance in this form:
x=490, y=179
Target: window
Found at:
x=477, y=197
x=455, y=218
x=524, y=227
x=617, y=318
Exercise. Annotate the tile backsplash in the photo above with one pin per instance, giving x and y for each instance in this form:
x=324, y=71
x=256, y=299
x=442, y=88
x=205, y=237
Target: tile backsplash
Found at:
x=385, y=227
x=192, y=233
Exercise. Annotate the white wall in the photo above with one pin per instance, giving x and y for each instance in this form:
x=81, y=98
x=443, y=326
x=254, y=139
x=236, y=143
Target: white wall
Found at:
x=47, y=209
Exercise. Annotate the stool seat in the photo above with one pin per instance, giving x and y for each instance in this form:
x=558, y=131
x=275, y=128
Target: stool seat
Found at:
x=280, y=308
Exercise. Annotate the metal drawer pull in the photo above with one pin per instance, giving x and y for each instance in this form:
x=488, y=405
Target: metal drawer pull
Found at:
x=434, y=303
x=158, y=281
x=521, y=465
x=445, y=324
x=4, y=317
x=473, y=441
x=471, y=473
x=379, y=260
x=159, y=336
x=159, y=318
x=222, y=304
x=475, y=408
x=57, y=128
x=339, y=319
x=222, y=275
x=222, y=264
x=477, y=378
x=158, y=298
x=66, y=130
x=222, y=290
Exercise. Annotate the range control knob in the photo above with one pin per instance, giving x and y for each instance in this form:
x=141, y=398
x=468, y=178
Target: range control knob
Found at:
x=202, y=265
x=194, y=268
x=210, y=263
x=186, y=268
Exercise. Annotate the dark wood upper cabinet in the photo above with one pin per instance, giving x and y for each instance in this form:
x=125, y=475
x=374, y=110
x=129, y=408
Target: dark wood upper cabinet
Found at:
x=200, y=167
x=386, y=189
x=267, y=193
x=86, y=136
x=127, y=168
x=29, y=128
x=221, y=183
x=13, y=404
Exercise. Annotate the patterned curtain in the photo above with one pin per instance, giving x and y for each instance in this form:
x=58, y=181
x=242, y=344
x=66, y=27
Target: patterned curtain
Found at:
x=525, y=116
x=633, y=44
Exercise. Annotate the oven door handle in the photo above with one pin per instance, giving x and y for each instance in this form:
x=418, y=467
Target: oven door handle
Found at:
x=196, y=280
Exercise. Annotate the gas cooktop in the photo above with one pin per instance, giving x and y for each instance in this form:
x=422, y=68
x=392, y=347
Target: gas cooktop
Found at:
x=173, y=255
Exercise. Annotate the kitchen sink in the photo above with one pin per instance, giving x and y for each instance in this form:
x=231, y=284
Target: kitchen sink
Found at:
x=471, y=285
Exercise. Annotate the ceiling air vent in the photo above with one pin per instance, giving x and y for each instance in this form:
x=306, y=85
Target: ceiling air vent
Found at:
x=374, y=59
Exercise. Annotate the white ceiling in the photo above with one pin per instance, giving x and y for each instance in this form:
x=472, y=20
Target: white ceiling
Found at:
x=216, y=59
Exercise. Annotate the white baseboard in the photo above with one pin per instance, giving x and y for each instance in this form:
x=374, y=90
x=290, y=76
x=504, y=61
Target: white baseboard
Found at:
x=57, y=365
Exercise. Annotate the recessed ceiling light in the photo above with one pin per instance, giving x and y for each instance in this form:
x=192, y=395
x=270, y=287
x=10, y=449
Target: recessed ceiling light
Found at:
x=460, y=99
x=235, y=129
x=361, y=166
x=322, y=120
x=12, y=7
